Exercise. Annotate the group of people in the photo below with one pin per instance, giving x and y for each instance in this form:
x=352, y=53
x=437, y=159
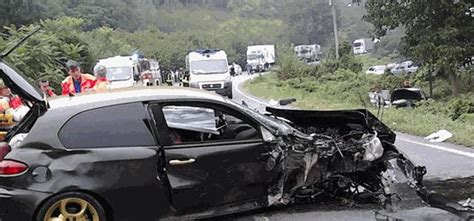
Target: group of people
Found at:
x=77, y=81
x=13, y=108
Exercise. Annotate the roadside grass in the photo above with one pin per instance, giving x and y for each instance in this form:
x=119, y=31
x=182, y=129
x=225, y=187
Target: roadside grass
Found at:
x=421, y=121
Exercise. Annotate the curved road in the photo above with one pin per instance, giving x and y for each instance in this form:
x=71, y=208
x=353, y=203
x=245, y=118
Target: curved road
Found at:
x=450, y=171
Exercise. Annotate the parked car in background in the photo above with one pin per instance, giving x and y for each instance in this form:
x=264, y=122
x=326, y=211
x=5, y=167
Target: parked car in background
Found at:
x=406, y=67
x=378, y=69
x=406, y=97
x=309, y=53
x=362, y=46
x=391, y=65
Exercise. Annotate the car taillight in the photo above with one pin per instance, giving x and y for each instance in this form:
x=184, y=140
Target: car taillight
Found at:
x=12, y=168
x=4, y=150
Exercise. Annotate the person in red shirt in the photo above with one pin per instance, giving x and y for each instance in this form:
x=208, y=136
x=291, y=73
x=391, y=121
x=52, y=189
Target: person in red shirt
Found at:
x=77, y=82
x=46, y=88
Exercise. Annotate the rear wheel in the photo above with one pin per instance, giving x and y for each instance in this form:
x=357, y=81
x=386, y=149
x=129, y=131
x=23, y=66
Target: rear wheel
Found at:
x=71, y=206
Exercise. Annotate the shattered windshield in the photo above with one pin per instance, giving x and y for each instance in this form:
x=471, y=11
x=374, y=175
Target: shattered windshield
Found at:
x=209, y=66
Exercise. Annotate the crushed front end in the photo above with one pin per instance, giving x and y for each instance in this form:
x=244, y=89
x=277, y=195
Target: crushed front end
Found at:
x=344, y=155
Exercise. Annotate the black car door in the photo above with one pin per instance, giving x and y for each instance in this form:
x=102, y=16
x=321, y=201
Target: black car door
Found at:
x=207, y=169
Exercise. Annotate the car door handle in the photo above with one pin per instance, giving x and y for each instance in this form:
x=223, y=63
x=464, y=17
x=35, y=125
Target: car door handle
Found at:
x=181, y=162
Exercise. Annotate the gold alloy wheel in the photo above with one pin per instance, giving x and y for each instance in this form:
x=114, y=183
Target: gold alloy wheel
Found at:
x=72, y=209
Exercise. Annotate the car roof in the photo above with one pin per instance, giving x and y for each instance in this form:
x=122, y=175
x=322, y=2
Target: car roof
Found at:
x=120, y=96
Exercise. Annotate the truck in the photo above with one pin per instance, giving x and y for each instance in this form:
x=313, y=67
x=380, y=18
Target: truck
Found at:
x=362, y=46
x=120, y=71
x=260, y=57
x=308, y=53
x=150, y=72
x=207, y=69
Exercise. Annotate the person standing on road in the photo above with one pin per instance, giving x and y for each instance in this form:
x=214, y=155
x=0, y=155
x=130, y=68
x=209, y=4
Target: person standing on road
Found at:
x=179, y=74
x=77, y=82
x=248, y=67
x=232, y=69
x=46, y=88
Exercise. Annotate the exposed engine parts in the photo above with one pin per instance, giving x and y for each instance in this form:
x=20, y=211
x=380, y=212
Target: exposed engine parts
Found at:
x=352, y=166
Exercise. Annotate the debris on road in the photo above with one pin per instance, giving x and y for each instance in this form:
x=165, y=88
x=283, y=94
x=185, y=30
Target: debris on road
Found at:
x=440, y=136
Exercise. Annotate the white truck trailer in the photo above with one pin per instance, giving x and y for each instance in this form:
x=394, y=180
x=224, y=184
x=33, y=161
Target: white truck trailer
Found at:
x=260, y=57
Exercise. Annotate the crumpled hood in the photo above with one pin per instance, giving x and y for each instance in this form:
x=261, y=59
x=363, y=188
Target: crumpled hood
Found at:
x=354, y=118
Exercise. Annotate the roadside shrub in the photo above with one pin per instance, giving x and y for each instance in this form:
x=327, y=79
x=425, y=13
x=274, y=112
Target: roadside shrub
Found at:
x=460, y=106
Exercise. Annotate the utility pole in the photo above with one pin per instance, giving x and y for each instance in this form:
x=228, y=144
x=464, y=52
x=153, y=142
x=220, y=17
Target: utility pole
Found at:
x=334, y=23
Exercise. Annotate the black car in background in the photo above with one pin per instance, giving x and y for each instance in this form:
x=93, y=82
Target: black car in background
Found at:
x=149, y=154
x=406, y=97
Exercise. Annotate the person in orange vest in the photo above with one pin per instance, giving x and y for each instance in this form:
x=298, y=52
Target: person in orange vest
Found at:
x=77, y=82
x=100, y=73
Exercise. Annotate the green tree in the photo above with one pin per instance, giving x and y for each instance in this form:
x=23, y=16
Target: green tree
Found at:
x=438, y=33
x=19, y=12
x=310, y=21
x=45, y=53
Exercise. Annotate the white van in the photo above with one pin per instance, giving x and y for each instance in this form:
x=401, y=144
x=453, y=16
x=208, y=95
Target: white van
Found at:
x=120, y=71
x=208, y=69
x=363, y=46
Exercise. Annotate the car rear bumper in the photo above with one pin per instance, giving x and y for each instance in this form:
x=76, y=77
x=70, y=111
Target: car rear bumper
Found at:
x=17, y=204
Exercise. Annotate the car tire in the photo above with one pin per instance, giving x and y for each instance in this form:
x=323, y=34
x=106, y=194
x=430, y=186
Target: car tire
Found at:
x=94, y=210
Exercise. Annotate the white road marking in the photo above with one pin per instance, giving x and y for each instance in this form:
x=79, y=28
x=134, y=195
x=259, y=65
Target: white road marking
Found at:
x=247, y=96
x=459, y=152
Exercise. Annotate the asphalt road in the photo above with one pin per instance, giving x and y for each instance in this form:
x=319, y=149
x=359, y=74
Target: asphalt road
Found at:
x=450, y=172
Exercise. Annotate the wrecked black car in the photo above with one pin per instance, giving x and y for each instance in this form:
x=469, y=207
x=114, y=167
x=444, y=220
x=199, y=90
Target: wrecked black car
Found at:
x=406, y=97
x=152, y=154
